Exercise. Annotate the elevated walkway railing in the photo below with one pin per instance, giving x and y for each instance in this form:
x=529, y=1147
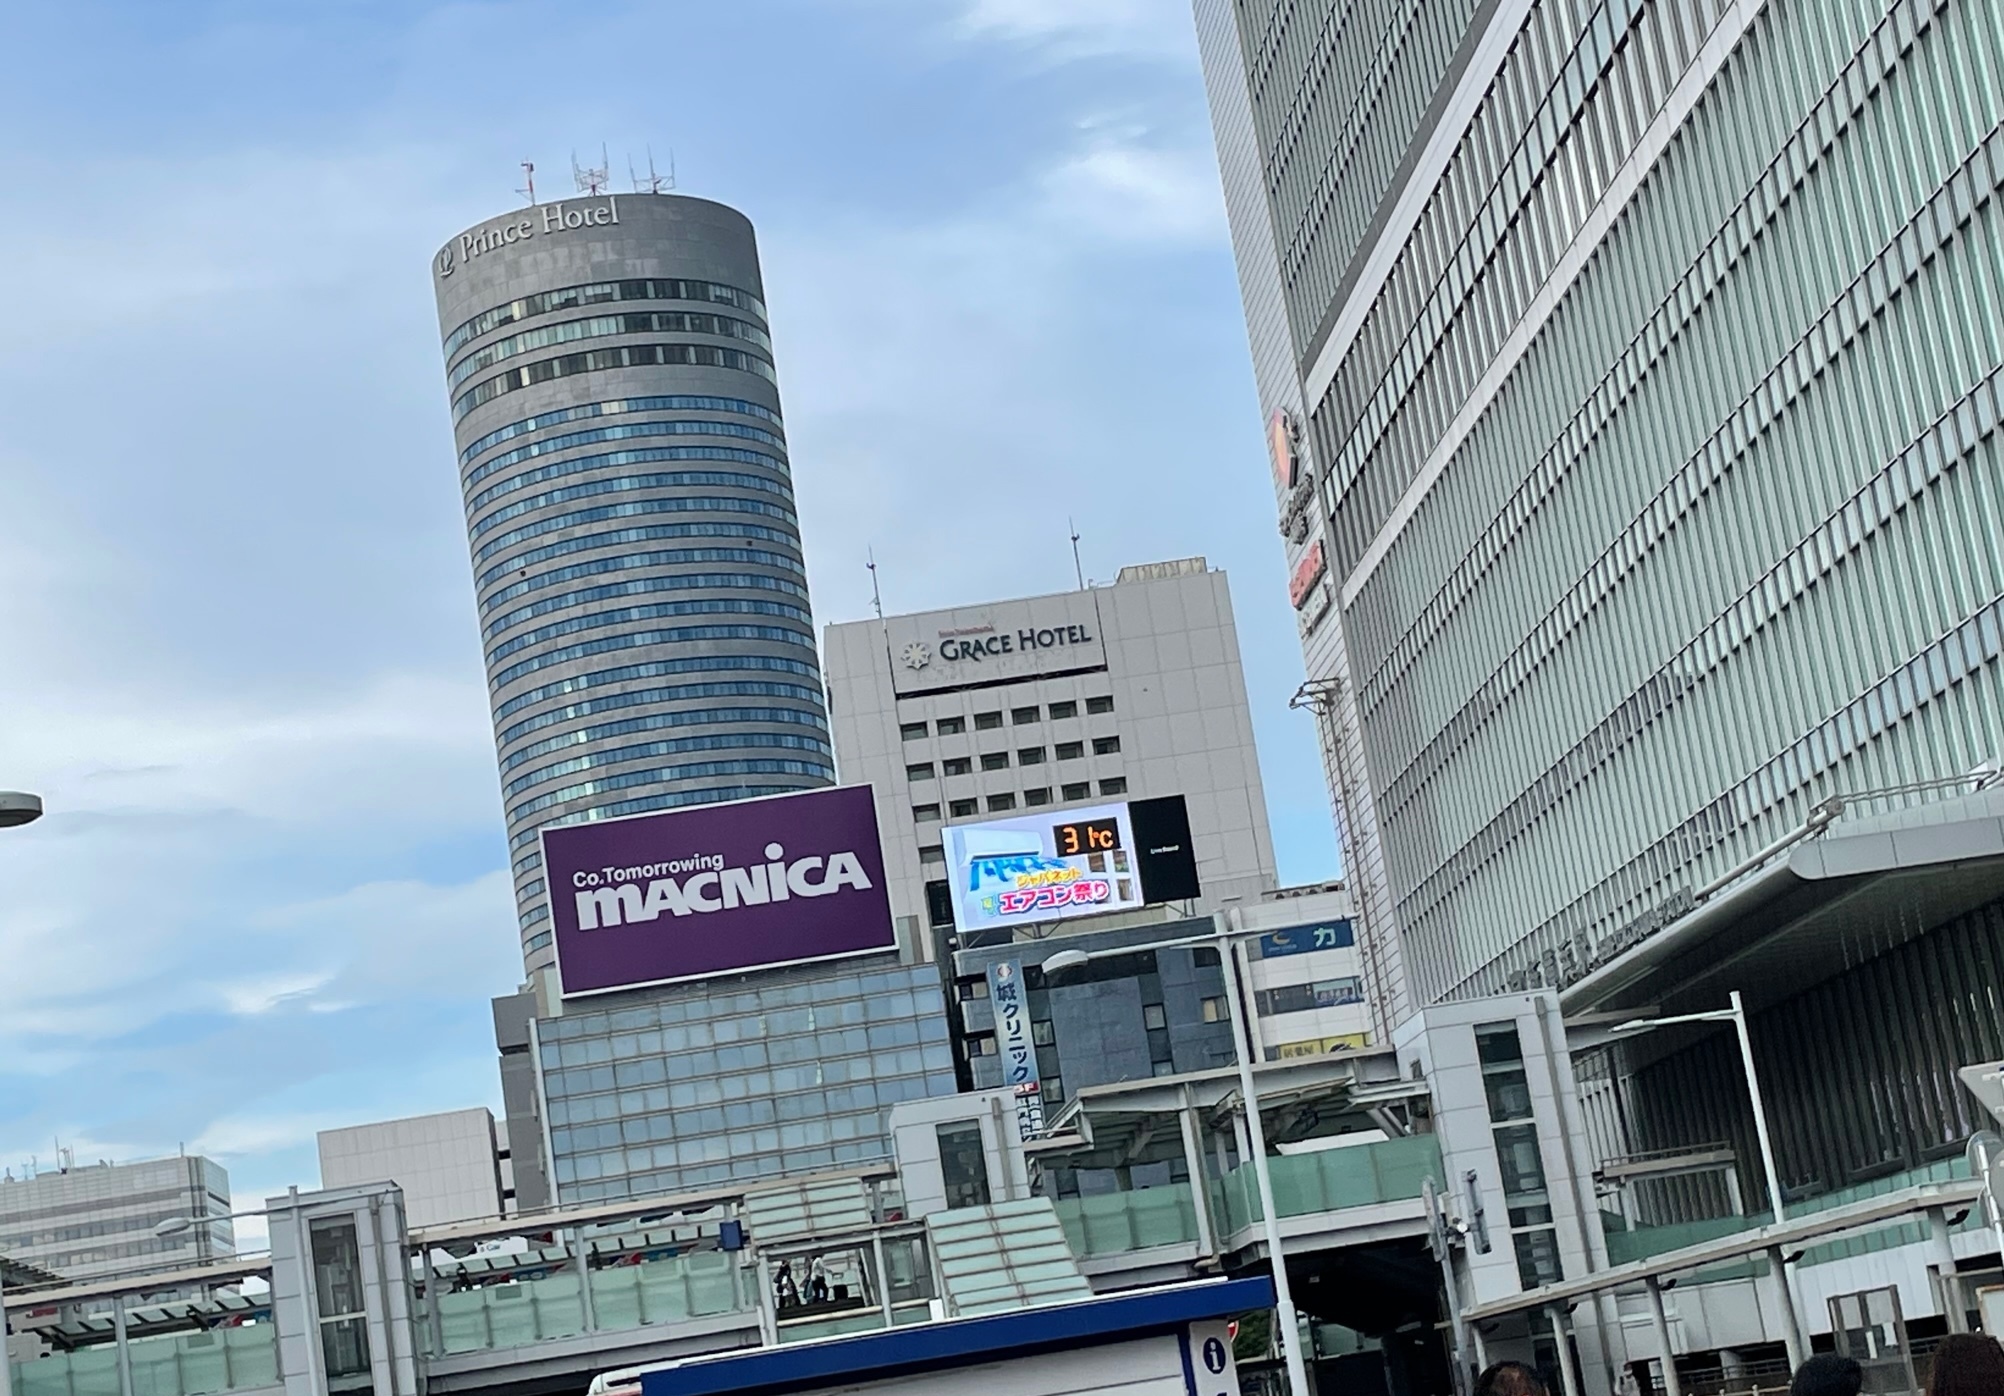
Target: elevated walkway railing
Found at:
x=1327, y=1182
x=179, y=1364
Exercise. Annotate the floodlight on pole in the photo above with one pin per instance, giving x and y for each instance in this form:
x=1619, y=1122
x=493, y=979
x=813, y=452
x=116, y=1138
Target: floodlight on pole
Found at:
x=174, y=1226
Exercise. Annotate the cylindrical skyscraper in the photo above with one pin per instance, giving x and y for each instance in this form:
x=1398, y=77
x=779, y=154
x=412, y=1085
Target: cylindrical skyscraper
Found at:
x=636, y=555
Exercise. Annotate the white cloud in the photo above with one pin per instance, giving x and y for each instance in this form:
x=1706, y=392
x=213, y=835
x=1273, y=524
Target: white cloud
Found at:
x=1128, y=191
x=1086, y=28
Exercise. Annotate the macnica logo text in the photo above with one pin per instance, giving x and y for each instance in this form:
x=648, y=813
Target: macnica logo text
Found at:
x=718, y=888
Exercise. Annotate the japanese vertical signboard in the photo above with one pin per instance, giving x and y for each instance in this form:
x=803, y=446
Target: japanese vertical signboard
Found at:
x=1013, y=1043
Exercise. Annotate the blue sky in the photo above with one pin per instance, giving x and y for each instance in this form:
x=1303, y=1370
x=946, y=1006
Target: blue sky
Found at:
x=237, y=642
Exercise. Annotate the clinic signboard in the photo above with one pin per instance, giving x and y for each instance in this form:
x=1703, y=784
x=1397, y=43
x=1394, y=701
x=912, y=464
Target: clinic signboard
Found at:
x=1034, y=868
x=717, y=889
x=1015, y=1046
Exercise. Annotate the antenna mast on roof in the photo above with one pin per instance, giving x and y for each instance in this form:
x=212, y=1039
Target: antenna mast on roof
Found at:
x=655, y=183
x=591, y=179
x=1077, y=566
x=876, y=594
x=529, y=174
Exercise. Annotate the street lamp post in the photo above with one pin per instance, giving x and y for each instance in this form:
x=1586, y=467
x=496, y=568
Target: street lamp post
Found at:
x=1227, y=942
x=17, y=807
x=1737, y=1016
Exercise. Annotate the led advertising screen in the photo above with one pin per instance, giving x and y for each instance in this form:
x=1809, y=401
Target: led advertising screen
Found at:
x=1067, y=863
x=718, y=888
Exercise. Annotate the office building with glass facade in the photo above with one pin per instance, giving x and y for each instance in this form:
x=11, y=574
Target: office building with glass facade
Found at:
x=1633, y=374
x=786, y=1071
x=636, y=551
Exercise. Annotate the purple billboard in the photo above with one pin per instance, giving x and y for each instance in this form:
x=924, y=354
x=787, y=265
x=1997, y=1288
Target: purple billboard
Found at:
x=717, y=889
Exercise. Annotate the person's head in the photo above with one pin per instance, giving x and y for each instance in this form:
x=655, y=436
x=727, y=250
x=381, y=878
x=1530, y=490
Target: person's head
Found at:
x=1510, y=1379
x=1967, y=1364
x=1827, y=1374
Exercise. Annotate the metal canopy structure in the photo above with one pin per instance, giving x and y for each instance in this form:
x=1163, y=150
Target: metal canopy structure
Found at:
x=1136, y=1120
x=1788, y=1238
x=19, y=1274
x=1862, y=887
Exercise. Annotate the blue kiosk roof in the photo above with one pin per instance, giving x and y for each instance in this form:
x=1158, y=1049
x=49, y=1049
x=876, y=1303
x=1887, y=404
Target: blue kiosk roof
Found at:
x=963, y=1342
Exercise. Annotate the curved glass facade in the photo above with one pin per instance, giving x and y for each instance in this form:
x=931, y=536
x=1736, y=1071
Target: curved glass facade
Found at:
x=649, y=641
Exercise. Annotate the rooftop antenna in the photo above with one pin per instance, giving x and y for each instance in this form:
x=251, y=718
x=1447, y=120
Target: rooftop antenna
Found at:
x=655, y=183
x=529, y=174
x=591, y=179
x=876, y=593
x=1077, y=566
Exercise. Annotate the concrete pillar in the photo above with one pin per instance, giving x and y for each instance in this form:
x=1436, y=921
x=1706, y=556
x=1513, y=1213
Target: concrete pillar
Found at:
x=124, y=1346
x=1672, y=1384
x=1568, y=1374
x=579, y=1248
x=434, y=1318
x=1193, y=1159
x=1946, y=1284
x=1791, y=1325
x=883, y=1278
x=6, y=1366
x=768, y=1306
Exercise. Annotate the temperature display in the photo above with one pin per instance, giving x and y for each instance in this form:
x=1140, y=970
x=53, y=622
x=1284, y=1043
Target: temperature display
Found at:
x=1086, y=836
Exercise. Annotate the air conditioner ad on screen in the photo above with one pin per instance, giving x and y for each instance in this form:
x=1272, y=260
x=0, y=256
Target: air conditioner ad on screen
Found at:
x=1068, y=863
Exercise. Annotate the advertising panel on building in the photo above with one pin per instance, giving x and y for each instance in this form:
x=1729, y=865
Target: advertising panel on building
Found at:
x=1013, y=1041
x=1031, y=639
x=1076, y=862
x=1335, y=934
x=718, y=888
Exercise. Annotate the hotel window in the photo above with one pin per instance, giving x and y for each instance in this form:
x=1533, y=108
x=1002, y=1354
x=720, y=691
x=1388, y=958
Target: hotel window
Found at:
x=1037, y=797
x=911, y=731
x=921, y=813
x=956, y=765
x=1065, y=709
x=997, y=804
x=987, y=722
x=1030, y=756
x=995, y=761
x=1070, y=751
x=1105, y=746
x=1114, y=785
x=932, y=853
x=963, y=808
x=1099, y=705
x=920, y=771
x=950, y=726
x=1019, y=716
x=1080, y=790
